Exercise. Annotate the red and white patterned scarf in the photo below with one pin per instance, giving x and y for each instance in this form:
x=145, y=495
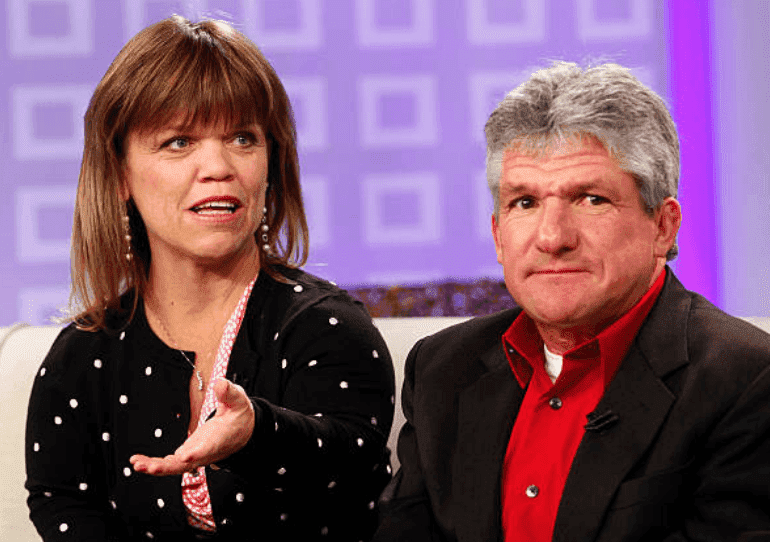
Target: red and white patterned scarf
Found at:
x=195, y=490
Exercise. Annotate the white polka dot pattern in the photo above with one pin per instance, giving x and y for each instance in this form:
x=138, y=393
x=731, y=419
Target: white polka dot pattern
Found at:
x=343, y=363
x=195, y=491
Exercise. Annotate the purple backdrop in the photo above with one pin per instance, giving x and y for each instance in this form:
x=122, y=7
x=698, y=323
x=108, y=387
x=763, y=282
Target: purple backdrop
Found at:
x=390, y=98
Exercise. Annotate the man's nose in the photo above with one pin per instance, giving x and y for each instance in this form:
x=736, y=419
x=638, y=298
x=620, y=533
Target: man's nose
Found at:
x=556, y=230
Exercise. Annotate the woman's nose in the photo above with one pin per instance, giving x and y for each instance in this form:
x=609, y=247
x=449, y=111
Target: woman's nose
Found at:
x=215, y=163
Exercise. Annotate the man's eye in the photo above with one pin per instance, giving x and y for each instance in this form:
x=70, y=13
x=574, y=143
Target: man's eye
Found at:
x=593, y=199
x=523, y=203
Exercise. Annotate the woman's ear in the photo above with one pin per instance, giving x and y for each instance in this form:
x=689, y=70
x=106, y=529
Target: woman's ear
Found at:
x=125, y=193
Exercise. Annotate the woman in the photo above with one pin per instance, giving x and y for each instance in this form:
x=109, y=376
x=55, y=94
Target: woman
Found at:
x=207, y=388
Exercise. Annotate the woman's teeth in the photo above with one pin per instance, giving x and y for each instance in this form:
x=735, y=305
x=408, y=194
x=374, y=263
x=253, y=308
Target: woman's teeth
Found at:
x=215, y=208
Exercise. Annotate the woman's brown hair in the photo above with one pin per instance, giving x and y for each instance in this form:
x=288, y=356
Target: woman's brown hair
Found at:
x=210, y=73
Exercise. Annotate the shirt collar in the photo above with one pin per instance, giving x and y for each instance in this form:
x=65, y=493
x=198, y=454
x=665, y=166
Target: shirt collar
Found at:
x=524, y=346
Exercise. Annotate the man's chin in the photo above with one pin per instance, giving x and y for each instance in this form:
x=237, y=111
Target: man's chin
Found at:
x=558, y=312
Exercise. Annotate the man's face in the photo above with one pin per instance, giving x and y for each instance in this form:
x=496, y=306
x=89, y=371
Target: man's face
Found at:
x=577, y=247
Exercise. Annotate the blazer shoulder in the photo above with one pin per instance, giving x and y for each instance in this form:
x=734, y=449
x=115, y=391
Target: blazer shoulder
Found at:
x=710, y=353
x=685, y=329
x=480, y=329
x=467, y=349
x=712, y=331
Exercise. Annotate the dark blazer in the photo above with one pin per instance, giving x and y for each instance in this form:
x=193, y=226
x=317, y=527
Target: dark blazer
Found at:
x=681, y=449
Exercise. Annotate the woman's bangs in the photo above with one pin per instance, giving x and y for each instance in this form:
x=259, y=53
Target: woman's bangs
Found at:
x=204, y=89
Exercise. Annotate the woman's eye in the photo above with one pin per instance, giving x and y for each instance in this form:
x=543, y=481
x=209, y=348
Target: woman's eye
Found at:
x=178, y=143
x=244, y=140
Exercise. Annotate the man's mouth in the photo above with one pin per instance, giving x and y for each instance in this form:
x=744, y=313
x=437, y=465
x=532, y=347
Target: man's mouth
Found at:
x=558, y=271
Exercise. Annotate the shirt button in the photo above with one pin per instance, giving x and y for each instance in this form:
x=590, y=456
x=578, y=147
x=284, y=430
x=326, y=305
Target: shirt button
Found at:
x=555, y=403
x=532, y=491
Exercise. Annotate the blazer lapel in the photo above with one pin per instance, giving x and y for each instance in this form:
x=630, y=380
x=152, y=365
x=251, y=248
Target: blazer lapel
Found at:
x=634, y=406
x=486, y=412
x=637, y=403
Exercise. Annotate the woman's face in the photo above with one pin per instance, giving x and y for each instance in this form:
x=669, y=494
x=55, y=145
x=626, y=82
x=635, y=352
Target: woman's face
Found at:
x=200, y=192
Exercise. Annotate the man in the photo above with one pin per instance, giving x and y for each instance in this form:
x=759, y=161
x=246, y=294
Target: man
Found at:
x=614, y=405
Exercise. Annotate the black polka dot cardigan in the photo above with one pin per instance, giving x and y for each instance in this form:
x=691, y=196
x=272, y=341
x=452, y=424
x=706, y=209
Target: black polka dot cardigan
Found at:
x=321, y=382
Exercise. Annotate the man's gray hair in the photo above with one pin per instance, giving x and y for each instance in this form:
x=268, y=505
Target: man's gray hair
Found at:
x=565, y=101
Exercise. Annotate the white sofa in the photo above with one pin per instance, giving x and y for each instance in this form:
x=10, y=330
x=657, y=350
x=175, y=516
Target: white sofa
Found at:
x=23, y=347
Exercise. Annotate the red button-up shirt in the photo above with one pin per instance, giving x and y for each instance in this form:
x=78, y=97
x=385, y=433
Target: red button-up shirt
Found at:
x=550, y=423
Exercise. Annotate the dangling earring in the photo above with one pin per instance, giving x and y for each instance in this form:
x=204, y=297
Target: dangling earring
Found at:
x=264, y=227
x=127, y=235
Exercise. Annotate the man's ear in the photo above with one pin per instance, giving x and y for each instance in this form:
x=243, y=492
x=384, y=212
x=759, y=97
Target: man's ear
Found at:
x=498, y=243
x=668, y=218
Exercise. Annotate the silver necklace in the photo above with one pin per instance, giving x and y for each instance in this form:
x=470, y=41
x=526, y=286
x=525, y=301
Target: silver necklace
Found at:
x=173, y=342
x=197, y=372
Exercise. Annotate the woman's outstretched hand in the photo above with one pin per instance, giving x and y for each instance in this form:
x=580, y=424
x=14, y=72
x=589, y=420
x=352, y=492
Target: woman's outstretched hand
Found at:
x=221, y=436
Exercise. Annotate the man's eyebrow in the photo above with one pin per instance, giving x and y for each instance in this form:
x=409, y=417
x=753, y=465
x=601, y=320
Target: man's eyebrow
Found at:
x=570, y=189
x=515, y=188
x=593, y=184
